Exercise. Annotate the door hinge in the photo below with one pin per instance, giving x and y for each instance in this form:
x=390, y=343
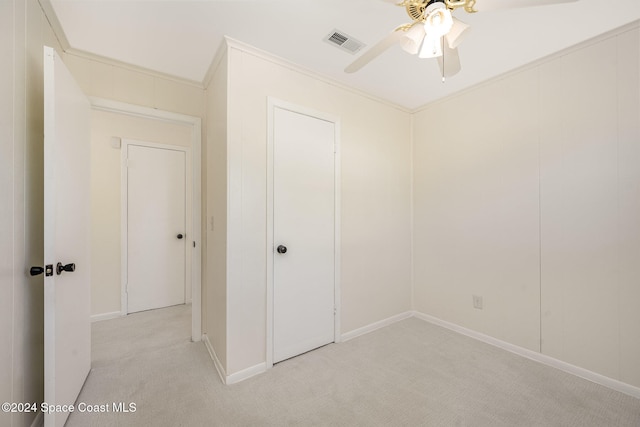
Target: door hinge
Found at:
x=194, y=244
x=335, y=311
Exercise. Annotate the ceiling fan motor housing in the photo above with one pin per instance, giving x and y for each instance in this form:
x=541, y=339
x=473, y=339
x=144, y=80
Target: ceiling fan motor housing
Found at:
x=416, y=8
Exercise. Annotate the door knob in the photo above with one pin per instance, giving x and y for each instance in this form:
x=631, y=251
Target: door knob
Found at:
x=36, y=270
x=62, y=267
x=180, y=236
x=282, y=249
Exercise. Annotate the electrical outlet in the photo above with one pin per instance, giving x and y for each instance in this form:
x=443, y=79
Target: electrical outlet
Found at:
x=477, y=302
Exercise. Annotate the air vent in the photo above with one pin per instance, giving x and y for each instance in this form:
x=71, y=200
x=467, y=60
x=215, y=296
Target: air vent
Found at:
x=343, y=41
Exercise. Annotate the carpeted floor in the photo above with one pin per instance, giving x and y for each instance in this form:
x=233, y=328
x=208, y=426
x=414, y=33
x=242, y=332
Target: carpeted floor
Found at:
x=411, y=373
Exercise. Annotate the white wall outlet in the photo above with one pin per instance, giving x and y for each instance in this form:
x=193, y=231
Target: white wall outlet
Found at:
x=477, y=302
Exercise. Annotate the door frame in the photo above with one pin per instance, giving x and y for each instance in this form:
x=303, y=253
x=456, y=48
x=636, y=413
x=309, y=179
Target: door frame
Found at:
x=272, y=104
x=124, y=217
x=194, y=193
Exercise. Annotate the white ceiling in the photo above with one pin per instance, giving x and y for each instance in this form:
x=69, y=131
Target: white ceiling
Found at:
x=181, y=37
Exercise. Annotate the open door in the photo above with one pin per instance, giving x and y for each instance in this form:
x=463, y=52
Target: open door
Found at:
x=67, y=297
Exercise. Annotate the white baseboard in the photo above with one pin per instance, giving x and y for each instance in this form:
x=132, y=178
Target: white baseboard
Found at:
x=376, y=325
x=105, y=316
x=236, y=377
x=247, y=373
x=38, y=421
x=535, y=356
x=262, y=367
x=512, y=348
x=216, y=362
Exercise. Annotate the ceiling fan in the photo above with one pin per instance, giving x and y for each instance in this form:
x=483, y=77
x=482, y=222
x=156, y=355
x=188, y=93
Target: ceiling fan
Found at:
x=434, y=32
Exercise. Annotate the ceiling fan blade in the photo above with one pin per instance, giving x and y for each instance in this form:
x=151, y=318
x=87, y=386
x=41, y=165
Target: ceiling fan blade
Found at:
x=486, y=5
x=449, y=62
x=375, y=51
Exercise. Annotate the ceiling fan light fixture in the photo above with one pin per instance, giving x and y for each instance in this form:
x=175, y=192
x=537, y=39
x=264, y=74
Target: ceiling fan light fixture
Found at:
x=457, y=33
x=438, y=20
x=431, y=47
x=413, y=39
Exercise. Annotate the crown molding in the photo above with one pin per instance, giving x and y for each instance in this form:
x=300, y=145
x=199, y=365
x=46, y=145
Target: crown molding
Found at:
x=131, y=67
x=54, y=23
x=60, y=35
x=215, y=63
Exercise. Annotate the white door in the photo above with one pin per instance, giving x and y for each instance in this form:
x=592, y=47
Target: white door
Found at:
x=156, y=227
x=303, y=232
x=67, y=297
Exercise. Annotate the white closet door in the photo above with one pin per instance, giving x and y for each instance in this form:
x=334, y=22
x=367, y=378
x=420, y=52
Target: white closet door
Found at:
x=304, y=210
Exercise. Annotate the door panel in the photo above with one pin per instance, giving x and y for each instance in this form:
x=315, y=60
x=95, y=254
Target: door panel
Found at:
x=304, y=209
x=156, y=204
x=67, y=297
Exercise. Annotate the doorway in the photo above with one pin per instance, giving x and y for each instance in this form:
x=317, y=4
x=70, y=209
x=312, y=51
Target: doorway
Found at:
x=116, y=124
x=303, y=225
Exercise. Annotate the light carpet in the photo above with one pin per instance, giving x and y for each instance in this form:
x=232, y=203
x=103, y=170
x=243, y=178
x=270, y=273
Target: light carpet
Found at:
x=411, y=373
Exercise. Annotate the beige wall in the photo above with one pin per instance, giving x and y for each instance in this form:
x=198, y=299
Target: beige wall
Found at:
x=590, y=206
x=476, y=229
x=375, y=194
x=628, y=187
x=23, y=32
x=106, y=199
x=215, y=289
x=527, y=192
